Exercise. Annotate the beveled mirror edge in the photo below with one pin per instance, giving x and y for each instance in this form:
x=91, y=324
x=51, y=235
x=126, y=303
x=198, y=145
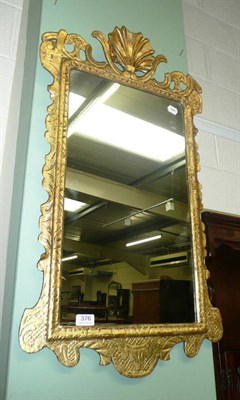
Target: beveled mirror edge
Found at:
x=144, y=345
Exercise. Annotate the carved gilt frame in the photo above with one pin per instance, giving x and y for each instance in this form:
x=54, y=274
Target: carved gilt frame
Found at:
x=133, y=349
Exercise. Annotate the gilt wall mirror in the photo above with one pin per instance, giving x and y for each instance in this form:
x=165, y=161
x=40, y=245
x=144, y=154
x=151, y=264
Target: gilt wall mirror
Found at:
x=123, y=265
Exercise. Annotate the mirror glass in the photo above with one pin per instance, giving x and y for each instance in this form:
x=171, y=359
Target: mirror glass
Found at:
x=127, y=246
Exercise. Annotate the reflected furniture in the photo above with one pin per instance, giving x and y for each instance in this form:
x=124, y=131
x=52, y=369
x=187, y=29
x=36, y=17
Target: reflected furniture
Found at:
x=163, y=301
x=146, y=302
x=101, y=312
x=223, y=262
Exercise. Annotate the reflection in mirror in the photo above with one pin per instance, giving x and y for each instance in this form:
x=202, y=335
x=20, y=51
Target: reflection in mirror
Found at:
x=127, y=229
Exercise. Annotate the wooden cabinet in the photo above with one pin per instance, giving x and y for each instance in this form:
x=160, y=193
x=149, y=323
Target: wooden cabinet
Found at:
x=223, y=262
x=146, y=302
x=163, y=301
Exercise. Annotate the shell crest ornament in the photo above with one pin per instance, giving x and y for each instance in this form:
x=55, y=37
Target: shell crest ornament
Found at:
x=129, y=53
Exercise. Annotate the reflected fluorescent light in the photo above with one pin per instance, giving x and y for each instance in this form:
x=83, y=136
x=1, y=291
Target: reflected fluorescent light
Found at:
x=75, y=101
x=144, y=240
x=118, y=129
x=111, y=126
x=73, y=205
x=70, y=258
x=107, y=93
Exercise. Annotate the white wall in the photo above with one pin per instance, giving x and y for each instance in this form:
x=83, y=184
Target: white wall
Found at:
x=11, y=46
x=10, y=14
x=212, y=32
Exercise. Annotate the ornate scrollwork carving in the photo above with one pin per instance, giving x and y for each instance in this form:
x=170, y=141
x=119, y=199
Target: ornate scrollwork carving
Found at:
x=131, y=51
x=134, y=350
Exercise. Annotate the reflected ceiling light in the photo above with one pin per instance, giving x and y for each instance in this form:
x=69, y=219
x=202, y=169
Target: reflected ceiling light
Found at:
x=113, y=127
x=107, y=93
x=73, y=205
x=144, y=240
x=75, y=101
x=118, y=129
x=70, y=257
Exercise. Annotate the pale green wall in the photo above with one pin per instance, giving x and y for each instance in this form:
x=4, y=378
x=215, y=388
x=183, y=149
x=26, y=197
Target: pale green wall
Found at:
x=40, y=376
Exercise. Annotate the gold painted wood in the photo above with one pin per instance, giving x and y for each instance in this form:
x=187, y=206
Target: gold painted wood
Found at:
x=133, y=349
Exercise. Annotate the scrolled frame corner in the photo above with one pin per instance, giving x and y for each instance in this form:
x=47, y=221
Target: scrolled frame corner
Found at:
x=134, y=350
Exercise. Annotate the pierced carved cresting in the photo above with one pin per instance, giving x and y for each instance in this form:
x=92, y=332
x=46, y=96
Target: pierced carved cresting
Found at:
x=134, y=349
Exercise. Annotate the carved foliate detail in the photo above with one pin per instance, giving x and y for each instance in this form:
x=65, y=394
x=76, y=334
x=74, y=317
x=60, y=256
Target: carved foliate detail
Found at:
x=131, y=51
x=134, y=350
